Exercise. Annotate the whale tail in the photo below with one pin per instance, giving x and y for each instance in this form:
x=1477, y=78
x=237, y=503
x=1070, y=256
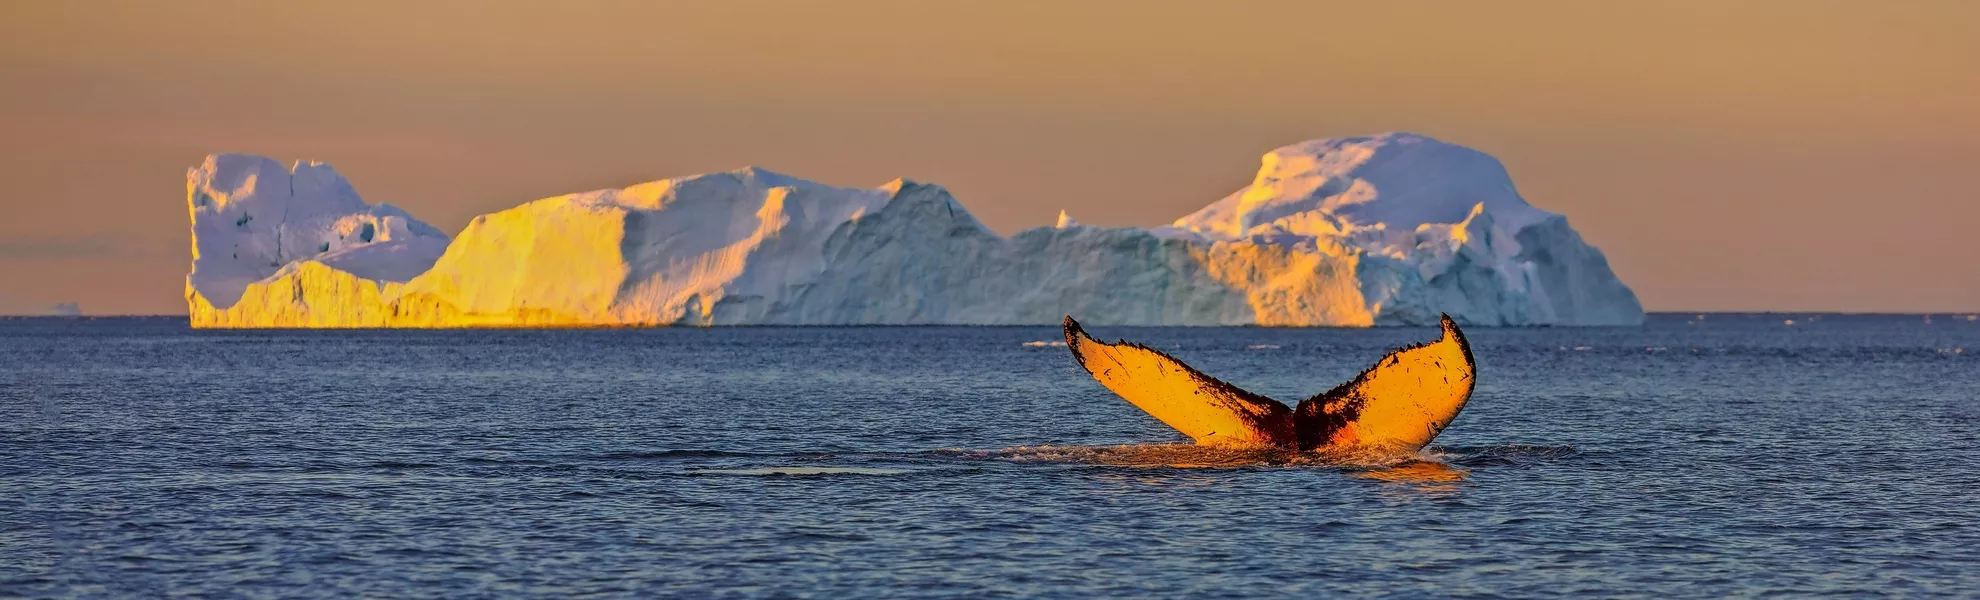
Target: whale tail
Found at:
x=1400, y=403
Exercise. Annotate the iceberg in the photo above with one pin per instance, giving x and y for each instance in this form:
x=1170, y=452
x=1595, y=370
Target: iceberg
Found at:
x=295, y=247
x=1391, y=229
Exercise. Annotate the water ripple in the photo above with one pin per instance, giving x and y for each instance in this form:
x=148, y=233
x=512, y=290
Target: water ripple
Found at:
x=1731, y=456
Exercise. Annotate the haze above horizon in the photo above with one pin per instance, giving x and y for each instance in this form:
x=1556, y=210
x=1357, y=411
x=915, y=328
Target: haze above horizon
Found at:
x=1753, y=156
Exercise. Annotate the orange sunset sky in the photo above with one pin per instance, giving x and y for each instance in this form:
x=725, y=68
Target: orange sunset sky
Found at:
x=1792, y=155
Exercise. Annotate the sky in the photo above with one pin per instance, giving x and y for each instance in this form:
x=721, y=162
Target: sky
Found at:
x=1800, y=155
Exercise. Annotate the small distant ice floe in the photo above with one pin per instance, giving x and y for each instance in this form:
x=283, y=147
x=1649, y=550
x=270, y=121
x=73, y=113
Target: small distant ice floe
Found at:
x=1262, y=347
x=1044, y=344
x=65, y=309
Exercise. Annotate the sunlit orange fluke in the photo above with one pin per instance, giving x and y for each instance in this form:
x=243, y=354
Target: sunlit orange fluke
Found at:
x=1400, y=403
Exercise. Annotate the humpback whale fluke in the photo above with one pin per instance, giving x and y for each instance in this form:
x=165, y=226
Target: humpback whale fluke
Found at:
x=1400, y=403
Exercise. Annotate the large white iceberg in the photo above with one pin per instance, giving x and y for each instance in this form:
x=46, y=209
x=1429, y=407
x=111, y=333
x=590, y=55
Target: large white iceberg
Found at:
x=1388, y=229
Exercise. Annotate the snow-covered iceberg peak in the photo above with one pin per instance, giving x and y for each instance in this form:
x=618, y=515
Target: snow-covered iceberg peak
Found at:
x=251, y=218
x=1430, y=228
x=1394, y=181
x=1065, y=221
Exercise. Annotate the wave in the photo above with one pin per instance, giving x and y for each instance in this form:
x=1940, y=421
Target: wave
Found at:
x=1505, y=455
x=1179, y=455
x=1432, y=465
x=694, y=454
x=800, y=471
x=1194, y=456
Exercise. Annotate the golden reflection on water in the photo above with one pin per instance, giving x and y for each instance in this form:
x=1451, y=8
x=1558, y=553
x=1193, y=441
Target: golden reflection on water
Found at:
x=1416, y=472
x=1425, y=477
x=1392, y=467
x=1178, y=456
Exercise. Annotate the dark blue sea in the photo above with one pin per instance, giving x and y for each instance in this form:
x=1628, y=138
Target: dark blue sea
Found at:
x=1722, y=455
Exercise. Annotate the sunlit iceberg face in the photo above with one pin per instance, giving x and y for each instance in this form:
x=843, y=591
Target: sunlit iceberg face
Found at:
x=1391, y=229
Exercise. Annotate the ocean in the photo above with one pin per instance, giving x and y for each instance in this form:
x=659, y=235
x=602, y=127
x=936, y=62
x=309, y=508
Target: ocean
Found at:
x=1696, y=456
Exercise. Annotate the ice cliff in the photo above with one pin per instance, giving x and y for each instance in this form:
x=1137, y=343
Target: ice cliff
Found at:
x=1388, y=229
